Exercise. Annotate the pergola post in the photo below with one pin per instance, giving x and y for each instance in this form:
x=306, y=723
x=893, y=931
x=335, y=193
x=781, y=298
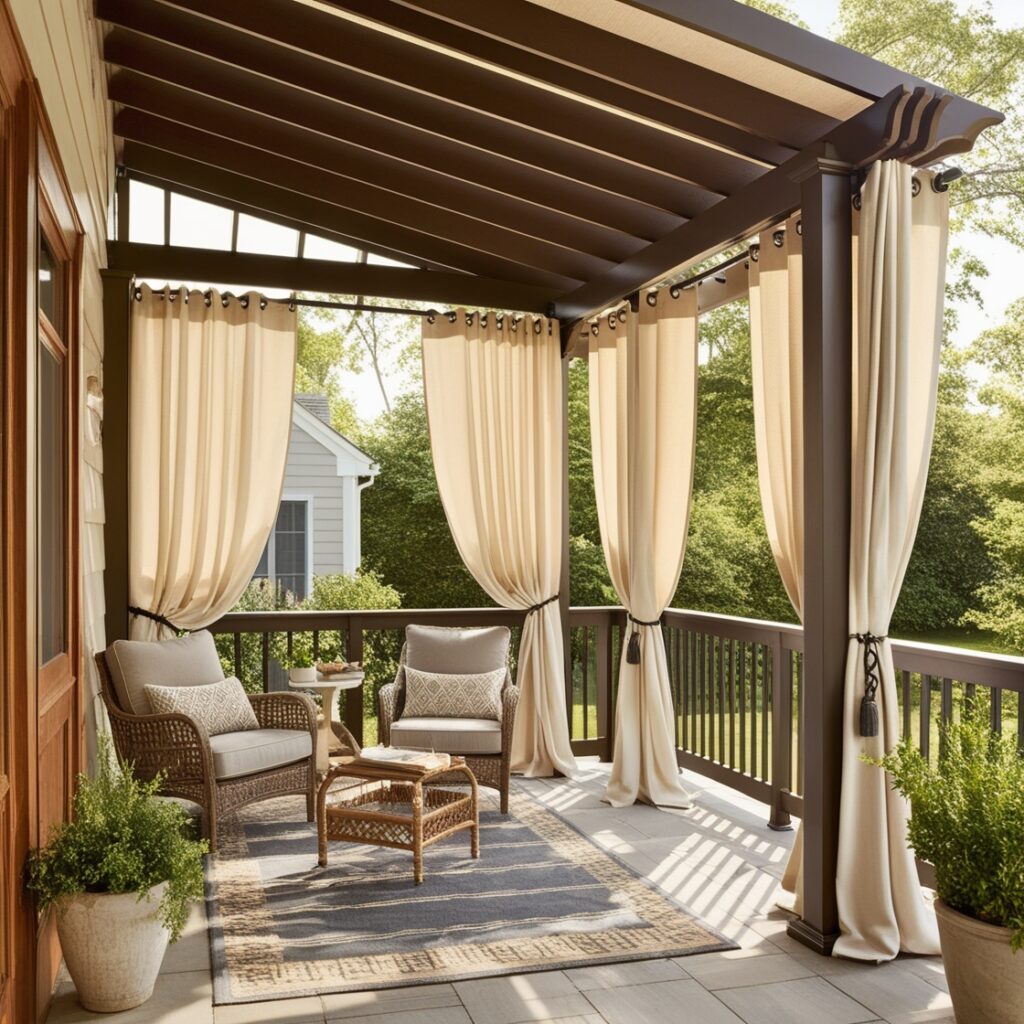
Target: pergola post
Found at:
x=825, y=192
x=117, y=286
x=563, y=584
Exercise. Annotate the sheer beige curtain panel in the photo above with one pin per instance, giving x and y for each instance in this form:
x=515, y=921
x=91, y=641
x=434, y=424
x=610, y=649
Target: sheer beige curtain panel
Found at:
x=643, y=408
x=493, y=387
x=211, y=386
x=775, y=282
x=900, y=265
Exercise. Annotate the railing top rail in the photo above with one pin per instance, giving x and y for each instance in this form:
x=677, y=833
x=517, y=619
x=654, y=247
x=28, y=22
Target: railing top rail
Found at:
x=983, y=667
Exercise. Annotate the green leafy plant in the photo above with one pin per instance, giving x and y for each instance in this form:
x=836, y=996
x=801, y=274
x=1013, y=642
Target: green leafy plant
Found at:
x=967, y=818
x=121, y=839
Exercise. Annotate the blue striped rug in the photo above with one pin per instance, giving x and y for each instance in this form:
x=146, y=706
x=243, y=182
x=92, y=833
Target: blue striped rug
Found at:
x=542, y=896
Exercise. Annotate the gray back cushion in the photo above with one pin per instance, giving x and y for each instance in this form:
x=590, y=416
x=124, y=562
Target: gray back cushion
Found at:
x=185, y=661
x=457, y=651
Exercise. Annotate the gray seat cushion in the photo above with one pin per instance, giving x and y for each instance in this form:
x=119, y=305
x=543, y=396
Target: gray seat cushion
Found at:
x=448, y=735
x=184, y=661
x=256, y=750
x=457, y=651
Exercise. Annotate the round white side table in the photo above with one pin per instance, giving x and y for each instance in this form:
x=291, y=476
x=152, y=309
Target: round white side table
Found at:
x=329, y=690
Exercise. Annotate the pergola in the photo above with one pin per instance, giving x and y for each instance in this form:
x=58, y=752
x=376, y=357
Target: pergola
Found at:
x=546, y=156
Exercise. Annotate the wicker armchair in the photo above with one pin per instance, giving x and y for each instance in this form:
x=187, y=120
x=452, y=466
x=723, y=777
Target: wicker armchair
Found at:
x=491, y=769
x=180, y=747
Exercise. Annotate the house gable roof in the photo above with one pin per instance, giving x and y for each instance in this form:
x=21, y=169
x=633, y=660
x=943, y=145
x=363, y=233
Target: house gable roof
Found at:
x=351, y=459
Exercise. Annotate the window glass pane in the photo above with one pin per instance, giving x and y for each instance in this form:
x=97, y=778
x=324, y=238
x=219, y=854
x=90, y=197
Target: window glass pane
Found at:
x=258, y=235
x=290, y=547
x=199, y=225
x=263, y=568
x=317, y=248
x=145, y=213
x=384, y=261
x=52, y=507
x=49, y=269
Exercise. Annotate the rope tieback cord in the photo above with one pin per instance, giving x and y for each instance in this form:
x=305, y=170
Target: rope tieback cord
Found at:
x=633, y=647
x=153, y=617
x=540, y=604
x=868, y=704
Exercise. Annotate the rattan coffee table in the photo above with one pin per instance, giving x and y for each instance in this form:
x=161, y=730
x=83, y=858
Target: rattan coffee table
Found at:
x=397, y=808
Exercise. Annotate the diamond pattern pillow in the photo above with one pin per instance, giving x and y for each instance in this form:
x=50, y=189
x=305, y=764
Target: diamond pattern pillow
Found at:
x=447, y=695
x=221, y=707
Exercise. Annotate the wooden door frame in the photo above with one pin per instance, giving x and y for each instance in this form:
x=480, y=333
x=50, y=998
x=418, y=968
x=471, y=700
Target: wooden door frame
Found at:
x=31, y=181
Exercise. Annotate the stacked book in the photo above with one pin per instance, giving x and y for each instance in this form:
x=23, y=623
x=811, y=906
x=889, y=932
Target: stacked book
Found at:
x=397, y=760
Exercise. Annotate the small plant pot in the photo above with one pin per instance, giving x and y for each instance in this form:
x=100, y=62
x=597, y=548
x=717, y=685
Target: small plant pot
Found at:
x=113, y=944
x=302, y=675
x=986, y=978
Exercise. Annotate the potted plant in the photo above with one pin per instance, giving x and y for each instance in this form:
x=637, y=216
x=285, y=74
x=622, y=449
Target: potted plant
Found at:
x=299, y=661
x=967, y=819
x=120, y=875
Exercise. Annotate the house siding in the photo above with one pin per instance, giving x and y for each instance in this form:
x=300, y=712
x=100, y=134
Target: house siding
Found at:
x=312, y=471
x=63, y=44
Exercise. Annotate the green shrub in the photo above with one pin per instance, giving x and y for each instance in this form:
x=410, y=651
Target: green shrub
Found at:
x=968, y=818
x=121, y=838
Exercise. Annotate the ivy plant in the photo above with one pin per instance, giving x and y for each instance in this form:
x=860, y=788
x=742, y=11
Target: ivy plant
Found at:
x=121, y=838
x=967, y=817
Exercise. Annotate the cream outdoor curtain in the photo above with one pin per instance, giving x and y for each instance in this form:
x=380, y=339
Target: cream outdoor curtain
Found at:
x=210, y=418
x=643, y=409
x=900, y=266
x=775, y=283
x=493, y=387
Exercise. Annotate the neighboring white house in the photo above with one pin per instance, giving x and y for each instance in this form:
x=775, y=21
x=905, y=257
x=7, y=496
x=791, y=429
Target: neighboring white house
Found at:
x=317, y=529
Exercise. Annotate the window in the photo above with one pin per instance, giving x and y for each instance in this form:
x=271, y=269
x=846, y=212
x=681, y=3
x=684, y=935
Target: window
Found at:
x=286, y=560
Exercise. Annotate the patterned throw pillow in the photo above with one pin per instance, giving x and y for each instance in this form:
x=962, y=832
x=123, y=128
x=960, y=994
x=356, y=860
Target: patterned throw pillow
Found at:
x=221, y=707
x=446, y=695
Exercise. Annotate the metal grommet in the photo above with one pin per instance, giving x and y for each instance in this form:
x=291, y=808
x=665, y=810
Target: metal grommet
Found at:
x=225, y=299
x=755, y=252
x=536, y=326
x=499, y=320
x=675, y=291
x=208, y=298
x=856, y=201
x=915, y=186
x=550, y=328
x=184, y=296
x=137, y=294
x=595, y=329
x=483, y=321
x=244, y=300
x=452, y=316
x=622, y=316
x=263, y=302
x=291, y=306
x=779, y=238
x=652, y=298
x=469, y=319
x=800, y=226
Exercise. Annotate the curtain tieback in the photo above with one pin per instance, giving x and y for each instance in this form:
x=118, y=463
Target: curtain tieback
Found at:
x=868, y=704
x=153, y=617
x=540, y=604
x=633, y=648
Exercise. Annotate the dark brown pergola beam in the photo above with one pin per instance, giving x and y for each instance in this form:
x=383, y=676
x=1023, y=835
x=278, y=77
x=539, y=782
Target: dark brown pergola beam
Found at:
x=588, y=61
x=433, y=222
x=221, y=185
x=355, y=164
x=750, y=29
x=320, y=35
x=177, y=263
x=246, y=92
x=900, y=125
x=176, y=36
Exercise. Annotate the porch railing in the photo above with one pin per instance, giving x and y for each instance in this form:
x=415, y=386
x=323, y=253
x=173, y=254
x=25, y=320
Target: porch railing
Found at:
x=736, y=683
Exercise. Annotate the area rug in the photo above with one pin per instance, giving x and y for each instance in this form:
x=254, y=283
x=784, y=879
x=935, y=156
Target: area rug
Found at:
x=542, y=896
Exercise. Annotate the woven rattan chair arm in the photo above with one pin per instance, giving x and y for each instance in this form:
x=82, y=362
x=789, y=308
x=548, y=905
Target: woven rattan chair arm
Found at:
x=174, y=744
x=285, y=711
x=387, y=703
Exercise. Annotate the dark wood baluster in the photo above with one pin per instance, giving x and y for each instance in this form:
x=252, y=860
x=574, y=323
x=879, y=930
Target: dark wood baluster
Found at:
x=766, y=683
x=721, y=699
x=945, y=710
x=265, y=660
x=238, y=656
x=907, y=701
x=743, y=705
x=732, y=703
x=586, y=682
x=996, y=710
x=926, y=716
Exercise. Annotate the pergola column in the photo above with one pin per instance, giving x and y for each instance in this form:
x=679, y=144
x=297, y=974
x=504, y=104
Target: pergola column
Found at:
x=825, y=193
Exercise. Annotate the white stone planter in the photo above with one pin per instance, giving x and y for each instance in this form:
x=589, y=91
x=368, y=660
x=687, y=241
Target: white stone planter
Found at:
x=986, y=978
x=302, y=675
x=113, y=946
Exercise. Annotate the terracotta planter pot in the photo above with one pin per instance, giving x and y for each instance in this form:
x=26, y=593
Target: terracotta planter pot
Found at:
x=986, y=978
x=113, y=946
x=302, y=675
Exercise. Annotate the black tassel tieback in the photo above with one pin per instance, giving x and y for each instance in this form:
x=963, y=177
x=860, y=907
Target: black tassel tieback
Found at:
x=633, y=647
x=868, y=704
